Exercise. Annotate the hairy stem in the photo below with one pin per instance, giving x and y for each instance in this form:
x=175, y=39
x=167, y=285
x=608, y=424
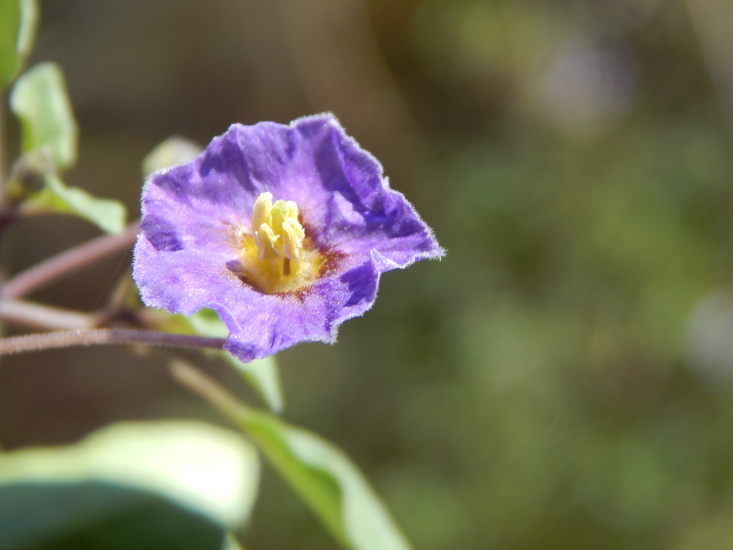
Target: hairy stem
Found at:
x=67, y=262
x=65, y=339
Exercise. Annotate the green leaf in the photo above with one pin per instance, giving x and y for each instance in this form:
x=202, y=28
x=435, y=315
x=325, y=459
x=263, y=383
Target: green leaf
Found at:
x=173, y=151
x=40, y=101
x=109, y=215
x=327, y=480
x=206, y=322
x=50, y=136
x=18, y=20
x=203, y=467
x=87, y=514
x=262, y=374
x=195, y=466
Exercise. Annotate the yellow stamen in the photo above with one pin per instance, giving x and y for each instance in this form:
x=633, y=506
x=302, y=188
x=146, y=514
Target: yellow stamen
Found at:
x=267, y=243
x=274, y=257
x=292, y=239
x=261, y=210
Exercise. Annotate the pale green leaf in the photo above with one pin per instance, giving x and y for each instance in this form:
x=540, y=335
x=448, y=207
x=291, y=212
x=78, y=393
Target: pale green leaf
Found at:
x=18, y=21
x=204, y=468
x=173, y=151
x=109, y=215
x=328, y=481
x=40, y=100
x=206, y=322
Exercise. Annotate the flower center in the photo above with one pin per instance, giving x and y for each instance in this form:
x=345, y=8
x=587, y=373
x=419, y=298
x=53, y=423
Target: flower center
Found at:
x=275, y=256
x=277, y=231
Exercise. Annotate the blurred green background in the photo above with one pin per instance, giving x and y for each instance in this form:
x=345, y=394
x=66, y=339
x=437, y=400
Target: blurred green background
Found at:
x=563, y=378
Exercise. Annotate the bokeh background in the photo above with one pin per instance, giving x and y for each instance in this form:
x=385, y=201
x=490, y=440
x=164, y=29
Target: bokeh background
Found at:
x=563, y=378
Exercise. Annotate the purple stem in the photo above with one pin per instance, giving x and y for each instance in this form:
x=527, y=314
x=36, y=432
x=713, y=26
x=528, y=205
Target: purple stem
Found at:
x=67, y=262
x=65, y=339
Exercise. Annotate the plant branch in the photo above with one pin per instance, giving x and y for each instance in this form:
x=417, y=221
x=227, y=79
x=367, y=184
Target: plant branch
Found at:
x=65, y=339
x=32, y=315
x=67, y=262
x=198, y=382
x=3, y=115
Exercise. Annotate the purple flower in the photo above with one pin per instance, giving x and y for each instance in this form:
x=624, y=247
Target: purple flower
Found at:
x=282, y=230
